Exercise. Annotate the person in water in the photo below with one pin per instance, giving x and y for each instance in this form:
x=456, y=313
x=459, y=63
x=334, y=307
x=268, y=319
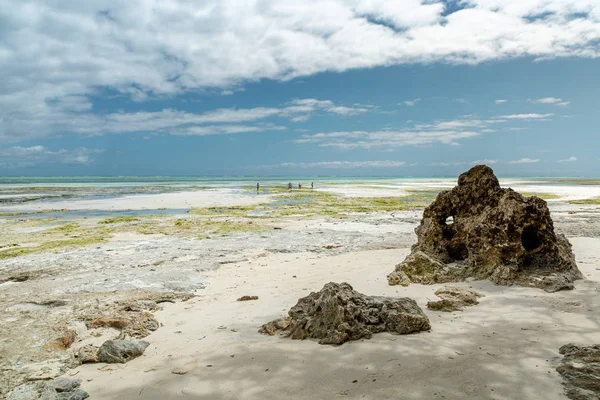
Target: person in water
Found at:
x=299, y=185
x=290, y=186
x=257, y=186
x=312, y=185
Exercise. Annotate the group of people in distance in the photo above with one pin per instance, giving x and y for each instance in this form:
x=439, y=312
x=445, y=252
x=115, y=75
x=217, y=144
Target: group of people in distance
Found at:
x=312, y=186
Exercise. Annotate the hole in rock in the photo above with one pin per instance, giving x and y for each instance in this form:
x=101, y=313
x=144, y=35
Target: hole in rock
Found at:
x=530, y=238
x=457, y=250
x=450, y=220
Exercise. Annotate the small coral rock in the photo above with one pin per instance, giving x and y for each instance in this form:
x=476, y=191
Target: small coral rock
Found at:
x=580, y=369
x=338, y=314
x=454, y=299
x=87, y=354
x=481, y=230
x=271, y=328
x=247, y=298
x=121, y=351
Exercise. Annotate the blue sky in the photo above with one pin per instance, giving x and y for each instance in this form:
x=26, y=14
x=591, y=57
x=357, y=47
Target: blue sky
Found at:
x=339, y=87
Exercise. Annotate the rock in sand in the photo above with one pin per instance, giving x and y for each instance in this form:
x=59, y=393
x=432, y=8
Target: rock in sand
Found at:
x=580, y=369
x=454, y=299
x=481, y=230
x=121, y=351
x=338, y=313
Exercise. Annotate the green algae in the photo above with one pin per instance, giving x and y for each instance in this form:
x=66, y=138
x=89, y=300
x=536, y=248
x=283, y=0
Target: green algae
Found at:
x=79, y=241
x=120, y=219
x=593, y=201
x=543, y=196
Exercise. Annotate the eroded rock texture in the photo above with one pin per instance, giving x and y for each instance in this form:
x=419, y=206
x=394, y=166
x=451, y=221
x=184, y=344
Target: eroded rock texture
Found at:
x=338, y=313
x=454, y=299
x=481, y=230
x=580, y=369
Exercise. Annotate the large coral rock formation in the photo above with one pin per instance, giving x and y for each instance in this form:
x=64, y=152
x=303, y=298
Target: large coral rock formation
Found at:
x=481, y=230
x=339, y=313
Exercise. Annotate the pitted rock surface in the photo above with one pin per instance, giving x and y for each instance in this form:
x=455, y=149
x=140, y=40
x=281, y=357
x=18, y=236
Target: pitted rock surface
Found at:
x=338, y=313
x=580, y=369
x=481, y=230
x=121, y=351
x=454, y=299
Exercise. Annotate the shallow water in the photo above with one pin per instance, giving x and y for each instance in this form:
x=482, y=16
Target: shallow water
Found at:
x=77, y=214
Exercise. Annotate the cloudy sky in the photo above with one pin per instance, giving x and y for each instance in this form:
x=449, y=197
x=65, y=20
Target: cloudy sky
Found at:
x=303, y=87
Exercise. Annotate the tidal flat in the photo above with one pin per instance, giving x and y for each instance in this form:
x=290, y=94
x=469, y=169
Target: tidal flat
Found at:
x=68, y=260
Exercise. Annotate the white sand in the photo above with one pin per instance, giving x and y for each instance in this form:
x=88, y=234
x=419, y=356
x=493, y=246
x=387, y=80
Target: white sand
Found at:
x=505, y=348
x=175, y=200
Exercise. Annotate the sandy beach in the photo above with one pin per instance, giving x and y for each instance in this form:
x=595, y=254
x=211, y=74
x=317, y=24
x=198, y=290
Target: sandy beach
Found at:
x=207, y=345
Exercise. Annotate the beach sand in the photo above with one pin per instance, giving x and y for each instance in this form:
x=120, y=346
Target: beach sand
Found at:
x=208, y=347
x=504, y=348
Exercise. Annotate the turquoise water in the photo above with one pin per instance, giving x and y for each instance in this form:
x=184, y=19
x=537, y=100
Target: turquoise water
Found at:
x=227, y=181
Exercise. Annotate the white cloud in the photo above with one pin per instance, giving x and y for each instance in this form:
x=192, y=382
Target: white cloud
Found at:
x=570, y=159
x=225, y=129
x=524, y=161
x=24, y=157
x=410, y=103
x=227, y=92
x=447, y=164
x=479, y=162
x=344, y=164
x=55, y=55
x=167, y=120
x=547, y=100
x=500, y=101
x=552, y=100
x=526, y=116
x=445, y=132
x=377, y=139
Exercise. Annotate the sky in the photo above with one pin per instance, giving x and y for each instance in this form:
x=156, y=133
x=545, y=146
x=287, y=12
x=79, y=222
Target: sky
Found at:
x=299, y=87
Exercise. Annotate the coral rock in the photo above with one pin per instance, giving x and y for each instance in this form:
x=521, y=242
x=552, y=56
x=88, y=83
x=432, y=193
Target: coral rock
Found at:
x=338, y=314
x=481, y=230
x=580, y=369
x=454, y=299
x=121, y=351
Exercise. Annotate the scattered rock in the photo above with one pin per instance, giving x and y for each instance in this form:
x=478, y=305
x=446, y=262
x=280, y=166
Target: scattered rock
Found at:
x=57, y=389
x=88, y=354
x=136, y=324
x=481, y=230
x=179, y=371
x=580, y=369
x=271, y=328
x=338, y=314
x=67, y=338
x=24, y=392
x=121, y=351
x=247, y=298
x=454, y=299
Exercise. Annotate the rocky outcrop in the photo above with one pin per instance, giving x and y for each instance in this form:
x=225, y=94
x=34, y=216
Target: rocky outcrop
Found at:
x=121, y=351
x=481, y=230
x=454, y=299
x=57, y=389
x=580, y=369
x=338, y=313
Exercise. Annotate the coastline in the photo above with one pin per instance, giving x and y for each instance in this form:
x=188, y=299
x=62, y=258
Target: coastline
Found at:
x=279, y=246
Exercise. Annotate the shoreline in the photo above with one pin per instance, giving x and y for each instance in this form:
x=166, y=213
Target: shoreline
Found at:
x=231, y=251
